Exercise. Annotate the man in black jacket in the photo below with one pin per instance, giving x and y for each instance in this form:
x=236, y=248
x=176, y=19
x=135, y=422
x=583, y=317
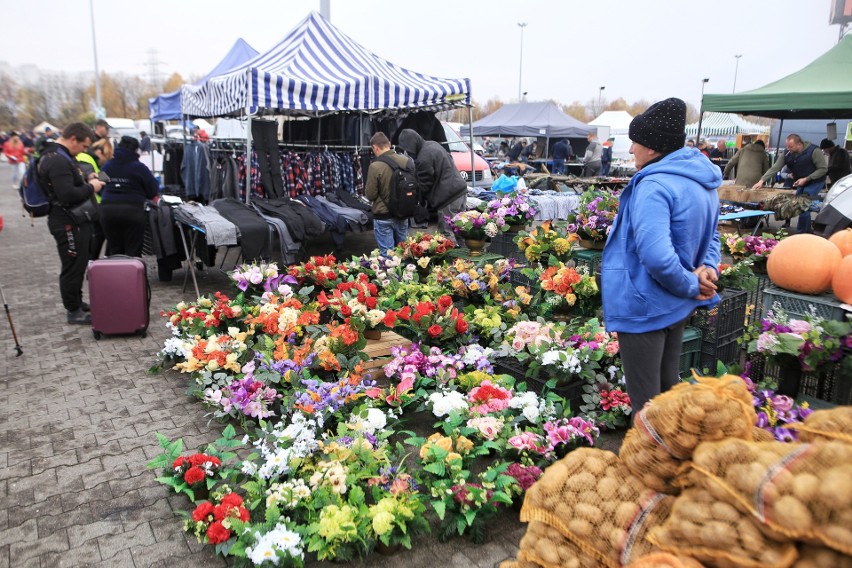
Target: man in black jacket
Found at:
x=838, y=161
x=443, y=186
x=61, y=177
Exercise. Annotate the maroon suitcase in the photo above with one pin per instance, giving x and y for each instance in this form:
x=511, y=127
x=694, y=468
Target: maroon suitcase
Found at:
x=119, y=296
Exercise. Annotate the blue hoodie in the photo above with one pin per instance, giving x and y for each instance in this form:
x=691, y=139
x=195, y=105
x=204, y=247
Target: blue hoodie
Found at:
x=665, y=229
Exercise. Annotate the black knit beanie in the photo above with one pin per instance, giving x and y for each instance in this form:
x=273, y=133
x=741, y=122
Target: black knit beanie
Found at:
x=661, y=127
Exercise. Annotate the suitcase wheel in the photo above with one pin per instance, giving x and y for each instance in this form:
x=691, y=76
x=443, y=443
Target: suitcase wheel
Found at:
x=143, y=333
x=97, y=335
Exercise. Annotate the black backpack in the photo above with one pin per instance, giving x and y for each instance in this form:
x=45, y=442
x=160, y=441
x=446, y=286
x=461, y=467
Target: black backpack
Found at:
x=405, y=192
x=35, y=199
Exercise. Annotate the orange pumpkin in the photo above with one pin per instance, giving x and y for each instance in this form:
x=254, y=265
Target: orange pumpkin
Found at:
x=803, y=263
x=843, y=240
x=842, y=282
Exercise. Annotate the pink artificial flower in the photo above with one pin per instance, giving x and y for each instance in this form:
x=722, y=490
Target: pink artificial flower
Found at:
x=527, y=441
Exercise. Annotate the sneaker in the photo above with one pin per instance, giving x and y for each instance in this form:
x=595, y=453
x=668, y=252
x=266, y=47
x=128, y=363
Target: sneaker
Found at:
x=85, y=307
x=79, y=317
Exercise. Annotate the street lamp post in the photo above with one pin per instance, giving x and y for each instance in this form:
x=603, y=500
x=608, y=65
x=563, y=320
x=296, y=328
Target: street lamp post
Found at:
x=98, y=111
x=600, y=95
x=701, y=111
x=521, y=25
x=736, y=70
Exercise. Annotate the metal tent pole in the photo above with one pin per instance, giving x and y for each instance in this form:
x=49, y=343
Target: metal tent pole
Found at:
x=248, y=156
x=472, y=154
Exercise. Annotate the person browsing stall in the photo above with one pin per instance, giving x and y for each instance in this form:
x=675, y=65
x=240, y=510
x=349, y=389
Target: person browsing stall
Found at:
x=807, y=165
x=838, y=161
x=123, y=215
x=388, y=230
x=750, y=162
x=61, y=177
x=660, y=259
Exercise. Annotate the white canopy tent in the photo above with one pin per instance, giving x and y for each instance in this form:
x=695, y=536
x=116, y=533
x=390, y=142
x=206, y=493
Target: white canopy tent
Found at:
x=724, y=124
x=617, y=122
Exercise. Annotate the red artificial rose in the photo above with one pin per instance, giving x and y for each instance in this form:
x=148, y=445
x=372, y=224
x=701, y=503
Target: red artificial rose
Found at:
x=193, y=475
x=345, y=310
x=197, y=459
x=232, y=500
x=390, y=318
x=243, y=514
x=404, y=313
x=461, y=325
x=372, y=288
x=371, y=303
x=179, y=463
x=361, y=297
x=434, y=330
x=217, y=533
x=220, y=512
x=444, y=302
x=440, y=249
x=202, y=511
x=416, y=250
x=309, y=267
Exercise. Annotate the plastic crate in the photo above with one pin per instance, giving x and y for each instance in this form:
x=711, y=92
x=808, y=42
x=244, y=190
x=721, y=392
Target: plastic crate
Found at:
x=754, y=300
x=825, y=306
x=831, y=384
x=589, y=258
x=517, y=278
x=504, y=245
x=484, y=258
x=690, y=354
x=720, y=327
x=572, y=392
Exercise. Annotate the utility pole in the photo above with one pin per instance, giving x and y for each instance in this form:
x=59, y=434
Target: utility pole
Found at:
x=600, y=96
x=522, y=25
x=99, y=110
x=736, y=70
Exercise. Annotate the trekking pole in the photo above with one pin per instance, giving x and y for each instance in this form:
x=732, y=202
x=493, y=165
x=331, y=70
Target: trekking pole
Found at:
x=18, y=347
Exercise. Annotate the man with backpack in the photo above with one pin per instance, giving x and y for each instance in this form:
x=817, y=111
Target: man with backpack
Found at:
x=386, y=189
x=62, y=180
x=443, y=186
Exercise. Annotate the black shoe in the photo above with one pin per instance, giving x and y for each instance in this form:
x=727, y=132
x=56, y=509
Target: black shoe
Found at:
x=79, y=317
x=85, y=307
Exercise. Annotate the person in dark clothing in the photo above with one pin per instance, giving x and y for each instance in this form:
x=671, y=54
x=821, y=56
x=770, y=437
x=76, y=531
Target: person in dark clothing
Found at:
x=443, y=186
x=606, y=157
x=528, y=153
x=63, y=181
x=123, y=199
x=101, y=130
x=560, y=154
x=515, y=152
x=91, y=161
x=838, y=161
x=144, y=143
x=389, y=231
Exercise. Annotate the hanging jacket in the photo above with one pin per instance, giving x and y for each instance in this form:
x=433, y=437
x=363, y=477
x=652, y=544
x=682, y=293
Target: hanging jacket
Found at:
x=665, y=229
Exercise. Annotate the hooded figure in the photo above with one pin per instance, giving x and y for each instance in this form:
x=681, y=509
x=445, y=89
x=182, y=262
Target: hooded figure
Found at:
x=660, y=259
x=442, y=185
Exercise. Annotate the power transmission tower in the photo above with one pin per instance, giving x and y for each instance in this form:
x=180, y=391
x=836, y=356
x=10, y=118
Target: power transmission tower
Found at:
x=155, y=77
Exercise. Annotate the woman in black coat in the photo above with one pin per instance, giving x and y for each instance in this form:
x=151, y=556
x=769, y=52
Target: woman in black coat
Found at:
x=123, y=199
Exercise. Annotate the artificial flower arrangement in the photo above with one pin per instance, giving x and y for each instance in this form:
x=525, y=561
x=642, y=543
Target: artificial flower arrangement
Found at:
x=262, y=279
x=595, y=215
x=399, y=511
x=215, y=522
x=515, y=210
x=322, y=272
x=554, y=439
x=814, y=341
x=214, y=353
x=360, y=299
x=475, y=283
x=423, y=248
x=605, y=400
x=544, y=241
x=775, y=412
x=562, y=287
x=474, y=224
x=738, y=275
x=741, y=247
x=437, y=323
x=246, y=396
x=381, y=270
x=207, y=316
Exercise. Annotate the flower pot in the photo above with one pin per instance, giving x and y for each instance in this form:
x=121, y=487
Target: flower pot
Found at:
x=387, y=550
x=759, y=265
x=373, y=333
x=200, y=493
x=593, y=245
x=475, y=246
x=515, y=228
x=789, y=374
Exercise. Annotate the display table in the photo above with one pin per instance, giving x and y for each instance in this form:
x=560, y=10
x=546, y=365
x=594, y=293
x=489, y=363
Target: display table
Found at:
x=738, y=217
x=742, y=194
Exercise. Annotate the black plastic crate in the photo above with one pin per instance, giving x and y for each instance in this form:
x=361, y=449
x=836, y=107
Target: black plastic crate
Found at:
x=754, y=300
x=690, y=355
x=721, y=327
x=825, y=306
x=589, y=258
x=829, y=384
x=572, y=392
x=504, y=245
x=517, y=278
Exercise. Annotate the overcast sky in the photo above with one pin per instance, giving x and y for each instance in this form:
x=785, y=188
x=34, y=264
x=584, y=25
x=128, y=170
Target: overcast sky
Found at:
x=637, y=49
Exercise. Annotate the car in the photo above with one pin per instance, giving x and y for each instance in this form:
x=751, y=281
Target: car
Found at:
x=480, y=173
x=119, y=127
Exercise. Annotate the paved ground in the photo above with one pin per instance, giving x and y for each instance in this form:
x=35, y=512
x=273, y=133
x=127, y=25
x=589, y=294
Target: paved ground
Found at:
x=77, y=426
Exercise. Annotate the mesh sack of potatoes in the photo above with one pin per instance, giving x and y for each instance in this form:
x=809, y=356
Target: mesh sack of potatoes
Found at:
x=667, y=430
x=831, y=424
x=665, y=560
x=545, y=546
x=718, y=534
x=759, y=434
x=594, y=501
x=797, y=491
x=519, y=564
x=812, y=556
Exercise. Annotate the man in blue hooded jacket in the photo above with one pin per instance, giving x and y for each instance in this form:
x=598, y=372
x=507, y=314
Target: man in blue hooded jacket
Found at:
x=662, y=252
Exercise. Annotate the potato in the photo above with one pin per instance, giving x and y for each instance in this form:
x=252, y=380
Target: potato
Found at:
x=719, y=535
x=805, y=486
x=749, y=536
x=724, y=512
x=596, y=465
x=625, y=513
x=563, y=510
x=589, y=497
x=581, y=527
x=842, y=536
x=607, y=488
x=617, y=538
x=582, y=481
x=547, y=552
x=588, y=512
x=835, y=491
x=693, y=512
x=791, y=513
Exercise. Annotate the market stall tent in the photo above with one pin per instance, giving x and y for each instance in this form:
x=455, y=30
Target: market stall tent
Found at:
x=317, y=69
x=168, y=105
x=544, y=120
x=724, y=124
x=42, y=126
x=617, y=122
x=822, y=89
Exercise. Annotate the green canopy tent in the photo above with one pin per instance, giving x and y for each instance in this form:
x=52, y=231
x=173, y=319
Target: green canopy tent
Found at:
x=822, y=89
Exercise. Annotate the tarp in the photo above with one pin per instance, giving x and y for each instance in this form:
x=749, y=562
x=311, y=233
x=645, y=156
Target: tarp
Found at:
x=617, y=120
x=316, y=68
x=168, y=105
x=542, y=119
x=724, y=124
x=822, y=89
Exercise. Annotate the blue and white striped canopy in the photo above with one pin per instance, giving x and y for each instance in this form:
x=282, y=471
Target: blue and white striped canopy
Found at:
x=316, y=69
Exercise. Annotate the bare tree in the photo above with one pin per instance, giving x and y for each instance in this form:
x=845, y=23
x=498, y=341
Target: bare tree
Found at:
x=8, y=108
x=578, y=110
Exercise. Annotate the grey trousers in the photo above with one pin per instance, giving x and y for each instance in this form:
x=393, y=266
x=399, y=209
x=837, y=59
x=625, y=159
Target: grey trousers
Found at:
x=651, y=362
x=449, y=210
